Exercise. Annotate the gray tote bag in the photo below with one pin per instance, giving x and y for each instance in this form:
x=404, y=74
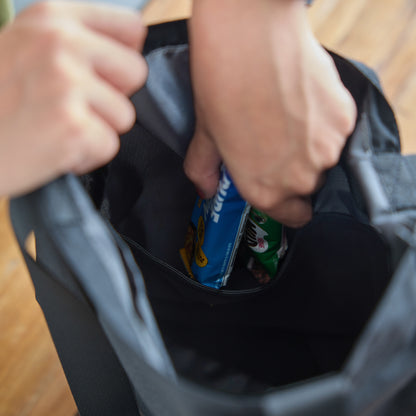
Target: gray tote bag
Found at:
x=333, y=334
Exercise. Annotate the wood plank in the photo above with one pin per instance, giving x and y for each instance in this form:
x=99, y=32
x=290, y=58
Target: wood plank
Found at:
x=167, y=10
x=30, y=372
x=381, y=34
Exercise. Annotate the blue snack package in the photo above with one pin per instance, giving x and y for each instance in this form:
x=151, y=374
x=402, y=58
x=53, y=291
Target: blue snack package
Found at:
x=214, y=234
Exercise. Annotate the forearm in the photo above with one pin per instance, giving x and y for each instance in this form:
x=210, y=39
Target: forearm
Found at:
x=260, y=29
x=231, y=10
x=269, y=104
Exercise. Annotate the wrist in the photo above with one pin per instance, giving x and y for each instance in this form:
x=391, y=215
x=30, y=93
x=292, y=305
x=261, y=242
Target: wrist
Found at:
x=226, y=18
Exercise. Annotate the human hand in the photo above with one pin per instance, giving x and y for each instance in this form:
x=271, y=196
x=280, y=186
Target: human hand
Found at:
x=269, y=104
x=66, y=71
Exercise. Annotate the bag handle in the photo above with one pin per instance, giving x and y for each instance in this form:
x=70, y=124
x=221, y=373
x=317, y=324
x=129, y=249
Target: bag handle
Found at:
x=386, y=179
x=63, y=213
x=387, y=183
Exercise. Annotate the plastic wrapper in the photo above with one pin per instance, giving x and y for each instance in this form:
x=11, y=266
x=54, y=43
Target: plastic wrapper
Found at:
x=214, y=234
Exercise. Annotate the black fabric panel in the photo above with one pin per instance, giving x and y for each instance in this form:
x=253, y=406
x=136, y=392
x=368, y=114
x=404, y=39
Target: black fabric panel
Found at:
x=89, y=362
x=147, y=195
x=403, y=404
x=239, y=360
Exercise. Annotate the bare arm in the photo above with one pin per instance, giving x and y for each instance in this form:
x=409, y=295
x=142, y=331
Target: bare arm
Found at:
x=269, y=104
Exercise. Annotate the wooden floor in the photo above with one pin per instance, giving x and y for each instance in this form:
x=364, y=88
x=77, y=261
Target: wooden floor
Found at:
x=381, y=33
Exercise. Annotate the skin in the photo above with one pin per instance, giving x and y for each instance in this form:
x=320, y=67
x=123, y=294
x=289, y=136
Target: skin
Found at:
x=269, y=103
x=66, y=72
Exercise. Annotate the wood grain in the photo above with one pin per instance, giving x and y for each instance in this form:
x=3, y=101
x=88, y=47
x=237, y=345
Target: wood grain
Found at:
x=381, y=33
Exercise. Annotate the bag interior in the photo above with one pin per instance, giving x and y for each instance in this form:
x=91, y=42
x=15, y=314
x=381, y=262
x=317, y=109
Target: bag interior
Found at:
x=246, y=337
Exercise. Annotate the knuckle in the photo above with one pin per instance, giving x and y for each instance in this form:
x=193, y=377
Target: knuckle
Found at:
x=98, y=153
x=41, y=10
x=305, y=185
x=72, y=154
x=48, y=49
x=125, y=117
x=141, y=31
x=294, y=212
x=143, y=71
x=331, y=153
x=54, y=39
x=135, y=32
x=348, y=121
x=348, y=113
x=323, y=152
x=195, y=177
x=191, y=172
x=206, y=185
x=46, y=45
x=85, y=141
x=300, y=180
x=298, y=220
x=263, y=197
x=50, y=30
x=107, y=146
x=72, y=129
x=58, y=71
x=191, y=167
x=136, y=75
x=68, y=114
x=110, y=146
x=60, y=78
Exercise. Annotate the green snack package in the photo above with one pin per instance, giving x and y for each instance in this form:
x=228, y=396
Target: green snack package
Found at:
x=267, y=241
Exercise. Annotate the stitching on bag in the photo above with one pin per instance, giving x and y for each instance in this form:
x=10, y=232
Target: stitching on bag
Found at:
x=411, y=170
x=382, y=177
x=402, y=173
x=396, y=181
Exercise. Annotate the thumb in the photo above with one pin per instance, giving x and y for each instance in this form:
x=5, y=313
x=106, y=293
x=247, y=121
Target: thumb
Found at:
x=202, y=163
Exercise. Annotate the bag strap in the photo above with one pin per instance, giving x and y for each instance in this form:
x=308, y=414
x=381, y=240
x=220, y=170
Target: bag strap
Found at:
x=387, y=183
x=385, y=178
x=104, y=285
x=86, y=355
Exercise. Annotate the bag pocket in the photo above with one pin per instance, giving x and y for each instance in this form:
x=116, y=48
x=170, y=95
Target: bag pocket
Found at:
x=300, y=325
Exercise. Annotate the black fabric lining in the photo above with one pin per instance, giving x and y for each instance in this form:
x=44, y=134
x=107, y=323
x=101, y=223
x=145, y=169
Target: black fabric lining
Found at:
x=301, y=326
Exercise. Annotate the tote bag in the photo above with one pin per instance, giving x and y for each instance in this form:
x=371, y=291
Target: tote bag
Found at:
x=333, y=334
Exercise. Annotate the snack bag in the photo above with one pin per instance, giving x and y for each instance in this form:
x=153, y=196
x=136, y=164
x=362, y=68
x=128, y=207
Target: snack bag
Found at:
x=214, y=234
x=267, y=242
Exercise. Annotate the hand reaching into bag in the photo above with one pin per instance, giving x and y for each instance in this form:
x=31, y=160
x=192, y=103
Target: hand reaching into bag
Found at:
x=269, y=104
x=66, y=71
